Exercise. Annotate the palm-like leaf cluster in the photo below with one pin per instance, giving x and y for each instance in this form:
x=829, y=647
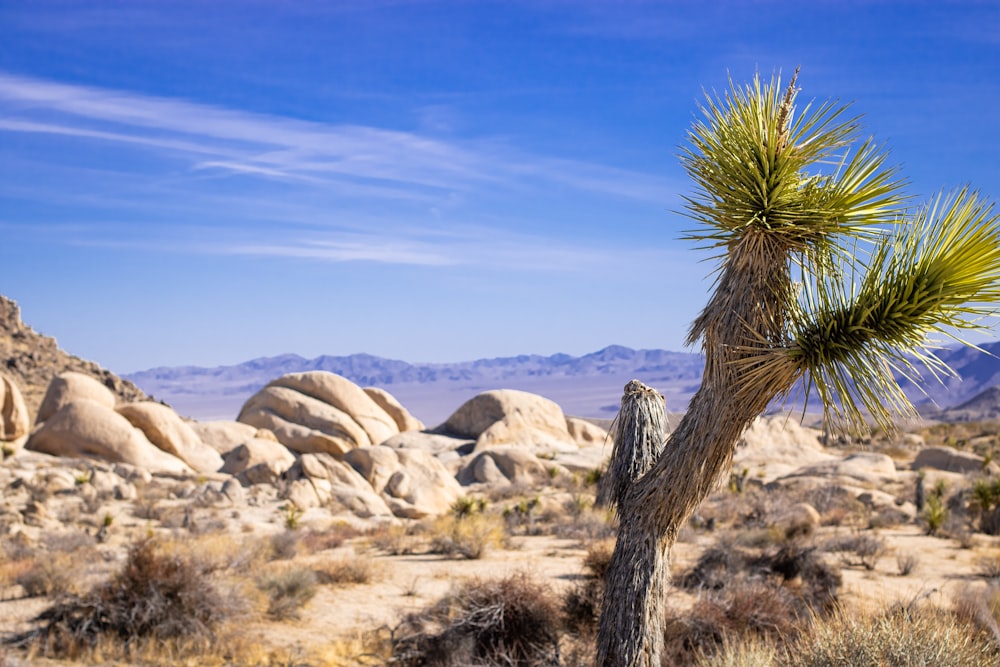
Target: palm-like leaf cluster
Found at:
x=857, y=317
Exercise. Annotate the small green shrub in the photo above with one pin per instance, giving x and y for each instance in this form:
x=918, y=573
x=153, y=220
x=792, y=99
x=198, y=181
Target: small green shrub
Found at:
x=935, y=514
x=292, y=515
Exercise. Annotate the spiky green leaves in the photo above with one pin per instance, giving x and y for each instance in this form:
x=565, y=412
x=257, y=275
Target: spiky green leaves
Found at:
x=756, y=165
x=937, y=275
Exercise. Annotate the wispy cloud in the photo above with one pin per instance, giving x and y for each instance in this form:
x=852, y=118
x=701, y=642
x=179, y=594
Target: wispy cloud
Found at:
x=271, y=146
x=370, y=194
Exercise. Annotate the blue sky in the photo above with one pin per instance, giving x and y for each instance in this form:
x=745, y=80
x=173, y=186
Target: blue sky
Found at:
x=207, y=182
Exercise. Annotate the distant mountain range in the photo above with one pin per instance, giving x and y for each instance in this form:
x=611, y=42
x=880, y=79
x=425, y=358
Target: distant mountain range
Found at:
x=588, y=385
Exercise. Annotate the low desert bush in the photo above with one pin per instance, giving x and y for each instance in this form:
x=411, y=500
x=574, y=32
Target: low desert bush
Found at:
x=988, y=566
x=581, y=605
x=857, y=549
x=899, y=637
x=509, y=621
x=395, y=539
x=906, y=563
x=288, y=591
x=935, y=514
x=985, y=502
x=156, y=595
x=585, y=521
x=743, y=593
x=467, y=537
x=285, y=545
x=746, y=652
x=48, y=575
x=328, y=538
x=745, y=608
x=351, y=570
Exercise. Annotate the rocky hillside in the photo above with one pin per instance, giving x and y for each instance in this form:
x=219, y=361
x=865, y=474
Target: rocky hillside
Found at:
x=32, y=360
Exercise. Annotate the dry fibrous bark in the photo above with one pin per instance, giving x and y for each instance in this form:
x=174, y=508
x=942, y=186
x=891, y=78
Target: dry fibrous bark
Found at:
x=786, y=307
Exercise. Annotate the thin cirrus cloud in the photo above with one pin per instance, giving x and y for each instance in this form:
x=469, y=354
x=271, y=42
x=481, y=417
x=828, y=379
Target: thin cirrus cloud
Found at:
x=279, y=147
x=340, y=174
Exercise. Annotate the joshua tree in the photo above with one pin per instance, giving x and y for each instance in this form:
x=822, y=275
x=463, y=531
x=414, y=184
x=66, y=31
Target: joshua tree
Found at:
x=824, y=279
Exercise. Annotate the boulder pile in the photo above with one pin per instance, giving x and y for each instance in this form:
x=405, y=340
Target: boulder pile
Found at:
x=319, y=443
x=313, y=440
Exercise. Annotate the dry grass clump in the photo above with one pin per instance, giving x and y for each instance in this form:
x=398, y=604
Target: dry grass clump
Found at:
x=468, y=536
x=749, y=594
x=285, y=545
x=288, y=591
x=397, y=539
x=899, y=637
x=351, y=570
x=312, y=541
x=988, y=565
x=48, y=575
x=907, y=562
x=156, y=596
x=510, y=621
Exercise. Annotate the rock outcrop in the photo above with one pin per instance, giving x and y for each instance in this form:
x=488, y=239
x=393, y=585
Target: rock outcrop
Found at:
x=319, y=480
x=32, y=360
x=502, y=467
x=164, y=428
x=14, y=420
x=318, y=412
x=952, y=460
x=258, y=461
x=85, y=428
x=71, y=386
x=508, y=417
x=400, y=415
x=224, y=436
x=413, y=482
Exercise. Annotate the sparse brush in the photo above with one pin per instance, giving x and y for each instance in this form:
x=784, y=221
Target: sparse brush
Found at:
x=906, y=563
x=988, y=566
x=898, y=637
x=49, y=575
x=292, y=515
x=394, y=539
x=469, y=538
x=858, y=549
x=155, y=596
x=351, y=570
x=510, y=621
x=744, y=608
x=288, y=591
x=328, y=538
x=582, y=603
x=467, y=506
x=749, y=651
x=285, y=545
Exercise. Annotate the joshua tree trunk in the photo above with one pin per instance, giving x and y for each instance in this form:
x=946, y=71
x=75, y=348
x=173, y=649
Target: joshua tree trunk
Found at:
x=653, y=505
x=766, y=201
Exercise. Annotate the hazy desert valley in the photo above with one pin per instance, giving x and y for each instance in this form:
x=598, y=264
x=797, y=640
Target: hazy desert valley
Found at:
x=326, y=525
